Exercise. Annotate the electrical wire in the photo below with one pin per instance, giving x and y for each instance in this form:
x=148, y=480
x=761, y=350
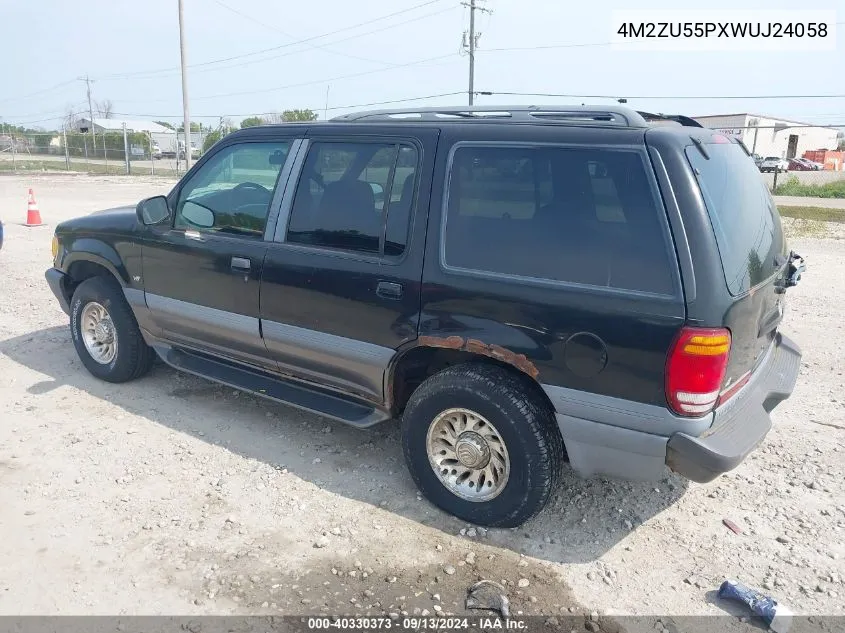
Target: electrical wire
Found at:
x=618, y=96
x=315, y=109
x=286, y=34
x=289, y=53
x=275, y=48
x=38, y=92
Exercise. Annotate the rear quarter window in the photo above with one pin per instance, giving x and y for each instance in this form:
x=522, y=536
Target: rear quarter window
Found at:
x=575, y=215
x=743, y=214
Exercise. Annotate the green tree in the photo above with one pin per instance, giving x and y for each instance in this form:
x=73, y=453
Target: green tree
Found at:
x=252, y=121
x=291, y=116
x=195, y=127
x=211, y=139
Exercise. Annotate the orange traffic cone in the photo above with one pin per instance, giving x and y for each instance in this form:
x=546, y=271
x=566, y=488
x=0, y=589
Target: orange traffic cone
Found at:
x=33, y=215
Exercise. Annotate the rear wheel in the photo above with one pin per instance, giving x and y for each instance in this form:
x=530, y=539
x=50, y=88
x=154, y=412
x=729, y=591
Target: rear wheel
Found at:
x=482, y=445
x=105, y=332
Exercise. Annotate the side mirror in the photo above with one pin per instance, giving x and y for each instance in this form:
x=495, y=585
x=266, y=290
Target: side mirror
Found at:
x=153, y=210
x=278, y=157
x=198, y=215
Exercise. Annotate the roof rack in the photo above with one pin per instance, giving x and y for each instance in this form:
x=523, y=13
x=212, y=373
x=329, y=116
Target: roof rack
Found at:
x=598, y=115
x=669, y=118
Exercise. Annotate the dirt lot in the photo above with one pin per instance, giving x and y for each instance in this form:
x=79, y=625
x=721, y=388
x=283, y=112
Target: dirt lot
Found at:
x=173, y=495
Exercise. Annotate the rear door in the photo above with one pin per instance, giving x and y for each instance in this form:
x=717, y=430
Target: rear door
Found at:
x=555, y=247
x=340, y=290
x=752, y=250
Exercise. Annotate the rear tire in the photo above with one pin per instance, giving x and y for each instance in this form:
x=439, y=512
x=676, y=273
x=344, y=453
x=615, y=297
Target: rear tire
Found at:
x=481, y=444
x=106, y=334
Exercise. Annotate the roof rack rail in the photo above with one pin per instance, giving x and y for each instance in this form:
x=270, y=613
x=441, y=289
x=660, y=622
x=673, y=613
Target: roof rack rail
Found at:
x=676, y=118
x=599, y=115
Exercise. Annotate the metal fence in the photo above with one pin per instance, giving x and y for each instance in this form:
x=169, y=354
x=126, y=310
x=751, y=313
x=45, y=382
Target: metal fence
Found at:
x=812, y=184
x=138, y=153
x=135, y=153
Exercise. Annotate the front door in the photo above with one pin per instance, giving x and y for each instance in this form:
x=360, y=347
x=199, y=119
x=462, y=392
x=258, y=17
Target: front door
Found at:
x=202, y=274
x=341, y=281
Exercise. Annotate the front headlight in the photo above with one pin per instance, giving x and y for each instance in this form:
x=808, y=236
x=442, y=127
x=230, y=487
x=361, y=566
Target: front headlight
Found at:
x=55, y=247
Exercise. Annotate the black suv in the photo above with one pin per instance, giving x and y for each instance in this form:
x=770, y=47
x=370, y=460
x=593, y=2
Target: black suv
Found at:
x=520, y=286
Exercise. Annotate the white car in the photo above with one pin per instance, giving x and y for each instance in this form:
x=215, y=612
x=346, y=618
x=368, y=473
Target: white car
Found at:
x=773, y=163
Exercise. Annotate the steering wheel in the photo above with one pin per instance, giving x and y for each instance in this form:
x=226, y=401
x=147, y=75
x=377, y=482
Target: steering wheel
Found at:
x=253, y=186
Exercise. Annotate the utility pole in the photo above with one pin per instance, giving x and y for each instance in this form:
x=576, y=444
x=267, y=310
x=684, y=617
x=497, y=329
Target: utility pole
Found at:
x=471, y=43
x=185, y=115
x=87, y=81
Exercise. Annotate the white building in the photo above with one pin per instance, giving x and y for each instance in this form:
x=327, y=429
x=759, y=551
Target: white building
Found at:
x=164, y=136
x=769, y=136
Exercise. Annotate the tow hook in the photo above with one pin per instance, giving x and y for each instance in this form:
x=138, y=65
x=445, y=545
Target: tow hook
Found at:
x=796, y=267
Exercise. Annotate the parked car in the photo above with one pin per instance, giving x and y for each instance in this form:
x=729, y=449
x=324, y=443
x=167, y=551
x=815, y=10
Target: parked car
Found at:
x=757, y=159
x=156, y=151
x=137, y=152
x=581, y=309
x=799, y=164
x=774, y=164
x=195, y=152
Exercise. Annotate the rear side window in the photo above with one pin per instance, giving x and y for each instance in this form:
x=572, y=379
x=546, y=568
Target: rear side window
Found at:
x=744, y=217
x=584, y=216
x=355, y=197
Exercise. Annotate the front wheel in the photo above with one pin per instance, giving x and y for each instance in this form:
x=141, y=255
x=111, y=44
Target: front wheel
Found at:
x=482, y=445
x=105, y=332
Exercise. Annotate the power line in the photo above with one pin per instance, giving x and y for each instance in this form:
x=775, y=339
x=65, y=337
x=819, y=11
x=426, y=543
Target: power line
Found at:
x=544, y=47
x=329, y=80
x=297, y=52
x=286, y=34
x=341, y=107
x=313, y=82
x=281, y=46
x=700, y=97
x=38, y=92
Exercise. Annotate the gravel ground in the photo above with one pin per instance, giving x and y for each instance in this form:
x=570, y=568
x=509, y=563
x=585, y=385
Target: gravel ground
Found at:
x=174, y=495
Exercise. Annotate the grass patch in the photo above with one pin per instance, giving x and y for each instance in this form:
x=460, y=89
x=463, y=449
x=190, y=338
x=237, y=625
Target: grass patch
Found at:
x=794, y=187
x=817, y=214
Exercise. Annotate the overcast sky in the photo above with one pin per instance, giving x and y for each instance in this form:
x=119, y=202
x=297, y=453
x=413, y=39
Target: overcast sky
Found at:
x=118, y=43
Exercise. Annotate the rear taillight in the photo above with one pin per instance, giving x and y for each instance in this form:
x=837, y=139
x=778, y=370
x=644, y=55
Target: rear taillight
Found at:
x=696, y=368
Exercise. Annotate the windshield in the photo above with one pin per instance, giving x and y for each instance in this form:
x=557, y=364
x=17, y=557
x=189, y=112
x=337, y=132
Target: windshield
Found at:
x=744, y=217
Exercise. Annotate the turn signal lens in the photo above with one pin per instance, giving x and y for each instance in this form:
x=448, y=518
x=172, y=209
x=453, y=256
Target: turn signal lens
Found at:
x=55, y=247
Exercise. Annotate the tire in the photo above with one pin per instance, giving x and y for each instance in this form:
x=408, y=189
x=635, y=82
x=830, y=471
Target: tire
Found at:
x=131, y=357
x=517, y=417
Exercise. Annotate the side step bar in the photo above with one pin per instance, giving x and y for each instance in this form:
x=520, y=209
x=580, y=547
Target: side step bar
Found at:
x=275, y=388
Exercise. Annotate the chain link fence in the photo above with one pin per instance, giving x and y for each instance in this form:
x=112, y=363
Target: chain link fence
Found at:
x=115, y=153
x=138, y=153
x=826, y=183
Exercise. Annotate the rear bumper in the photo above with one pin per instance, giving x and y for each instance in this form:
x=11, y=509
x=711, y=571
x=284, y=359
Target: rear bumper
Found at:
x=56, y=280
x=741, y=424
x=618, y=438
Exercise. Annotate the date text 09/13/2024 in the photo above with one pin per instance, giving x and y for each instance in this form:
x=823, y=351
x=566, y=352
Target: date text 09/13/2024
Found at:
x=417, y=623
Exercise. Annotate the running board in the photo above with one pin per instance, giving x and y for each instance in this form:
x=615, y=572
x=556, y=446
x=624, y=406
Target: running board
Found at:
x=275, y=388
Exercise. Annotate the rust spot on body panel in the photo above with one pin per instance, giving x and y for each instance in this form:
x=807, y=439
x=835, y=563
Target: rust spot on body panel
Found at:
x=474, y=346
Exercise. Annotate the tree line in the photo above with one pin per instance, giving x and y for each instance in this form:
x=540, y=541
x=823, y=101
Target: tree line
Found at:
x=40, y=140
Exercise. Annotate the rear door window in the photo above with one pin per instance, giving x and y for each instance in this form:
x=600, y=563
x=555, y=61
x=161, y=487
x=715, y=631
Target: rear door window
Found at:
x=583, y=216
x=744, y=217
x=355, y=197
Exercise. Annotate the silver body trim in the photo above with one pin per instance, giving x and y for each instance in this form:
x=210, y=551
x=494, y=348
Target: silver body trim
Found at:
x=341, y=362
x=615, y=437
